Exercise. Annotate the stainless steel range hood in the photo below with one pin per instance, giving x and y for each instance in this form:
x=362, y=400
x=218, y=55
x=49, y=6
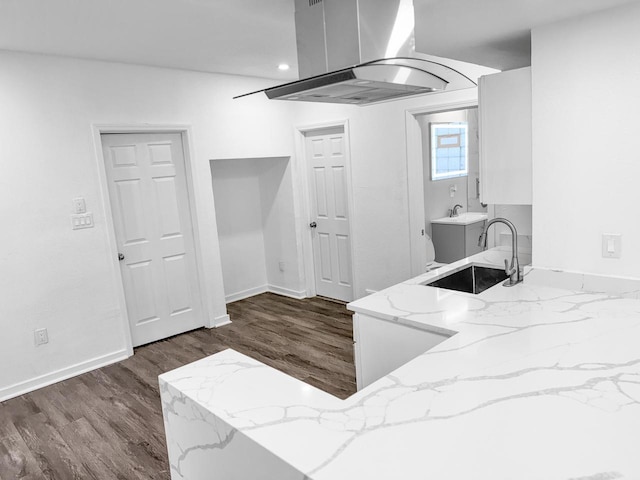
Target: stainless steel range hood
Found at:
x=361, y=52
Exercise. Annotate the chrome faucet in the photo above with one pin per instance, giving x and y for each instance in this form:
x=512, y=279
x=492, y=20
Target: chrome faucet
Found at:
x=513, y=271
x=454, y=211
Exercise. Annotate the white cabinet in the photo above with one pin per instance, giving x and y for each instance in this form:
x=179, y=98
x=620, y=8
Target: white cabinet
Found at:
x=382, y=346
x=504, y=104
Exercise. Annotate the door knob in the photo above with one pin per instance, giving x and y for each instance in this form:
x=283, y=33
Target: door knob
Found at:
x=313, y=224
x=120, y=256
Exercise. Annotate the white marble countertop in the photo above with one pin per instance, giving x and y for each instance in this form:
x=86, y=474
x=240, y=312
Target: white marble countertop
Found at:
x=538, y=381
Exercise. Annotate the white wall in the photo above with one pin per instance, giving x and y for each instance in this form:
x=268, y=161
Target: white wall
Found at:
x=521, y=217
x=236, y=190
x=380, y=189
x=281, y=240
x=65, y=280
x=256, y=227
x=585, y=75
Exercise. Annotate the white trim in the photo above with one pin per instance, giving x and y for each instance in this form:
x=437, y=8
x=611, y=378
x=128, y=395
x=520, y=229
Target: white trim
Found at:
x=415, y=178
x=301, y=215
x=415, y=193
x=205, y=298
x=186, y=135
x=301, y=194
x=287, y=292
x=252, y=292
x=116, y=276
x=221, y=321
x=50, y=378
x=350, y=203
x=249, y=292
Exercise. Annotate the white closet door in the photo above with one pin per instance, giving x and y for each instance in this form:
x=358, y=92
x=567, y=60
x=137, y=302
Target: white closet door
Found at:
x=326, y=160
x=152, y=219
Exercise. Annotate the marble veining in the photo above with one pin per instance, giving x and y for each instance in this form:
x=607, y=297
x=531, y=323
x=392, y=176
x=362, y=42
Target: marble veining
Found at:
x=537, y=381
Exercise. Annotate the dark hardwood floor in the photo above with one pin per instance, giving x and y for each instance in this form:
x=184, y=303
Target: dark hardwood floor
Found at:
x=107, y=424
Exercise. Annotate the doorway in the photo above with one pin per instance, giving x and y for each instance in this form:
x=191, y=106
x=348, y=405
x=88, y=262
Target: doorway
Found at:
x=327, y=161
x=450, y=180
x=152, y=218
x=416, y=180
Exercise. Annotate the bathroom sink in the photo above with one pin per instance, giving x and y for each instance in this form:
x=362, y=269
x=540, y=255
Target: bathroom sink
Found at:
x=471, y=279
x=462, y=219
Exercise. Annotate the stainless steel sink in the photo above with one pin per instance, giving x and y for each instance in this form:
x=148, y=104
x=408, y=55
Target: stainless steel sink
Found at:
x=472, y=279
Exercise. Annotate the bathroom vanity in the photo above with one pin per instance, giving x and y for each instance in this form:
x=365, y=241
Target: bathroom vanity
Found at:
x=455, y=238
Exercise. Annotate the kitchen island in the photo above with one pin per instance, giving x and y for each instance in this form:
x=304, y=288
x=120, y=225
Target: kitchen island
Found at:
x=536, y=381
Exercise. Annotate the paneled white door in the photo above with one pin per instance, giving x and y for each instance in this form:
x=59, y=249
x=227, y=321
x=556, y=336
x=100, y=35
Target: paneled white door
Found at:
x=327, y=161
x=152, y=219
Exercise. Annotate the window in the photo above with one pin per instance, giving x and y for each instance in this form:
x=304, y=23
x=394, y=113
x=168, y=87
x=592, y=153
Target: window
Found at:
x=449, y=150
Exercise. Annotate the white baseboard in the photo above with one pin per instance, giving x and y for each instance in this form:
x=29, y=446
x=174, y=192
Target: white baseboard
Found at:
x=221, y=321
x=368, y=291
x=250, y=292
x=32, y=384
x=287, y=292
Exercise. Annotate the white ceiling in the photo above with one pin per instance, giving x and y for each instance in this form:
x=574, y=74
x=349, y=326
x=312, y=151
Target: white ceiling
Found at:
x=494, y=33
x=247, y=37
x=251, y=37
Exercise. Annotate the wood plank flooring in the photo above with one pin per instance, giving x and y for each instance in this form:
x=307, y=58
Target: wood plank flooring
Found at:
x=107, y=424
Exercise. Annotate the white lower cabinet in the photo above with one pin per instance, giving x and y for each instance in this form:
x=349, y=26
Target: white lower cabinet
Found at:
x=381, y=346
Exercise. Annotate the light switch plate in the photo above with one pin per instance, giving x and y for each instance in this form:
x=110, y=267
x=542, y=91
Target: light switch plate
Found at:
x=83, y=220
x=611, y=245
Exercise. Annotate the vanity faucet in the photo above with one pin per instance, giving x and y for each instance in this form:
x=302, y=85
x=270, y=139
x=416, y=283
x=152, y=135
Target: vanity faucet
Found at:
x=513, y=271
x=454, y=210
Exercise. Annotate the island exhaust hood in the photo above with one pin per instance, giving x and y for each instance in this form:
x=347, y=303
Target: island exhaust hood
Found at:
x=361, y=52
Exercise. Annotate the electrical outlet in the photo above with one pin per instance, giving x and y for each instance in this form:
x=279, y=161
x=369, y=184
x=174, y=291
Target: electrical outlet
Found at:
x=41, y=336
x=79, y=205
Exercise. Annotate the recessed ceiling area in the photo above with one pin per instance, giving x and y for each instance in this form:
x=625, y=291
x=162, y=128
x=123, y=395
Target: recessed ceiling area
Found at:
x=252, y=37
